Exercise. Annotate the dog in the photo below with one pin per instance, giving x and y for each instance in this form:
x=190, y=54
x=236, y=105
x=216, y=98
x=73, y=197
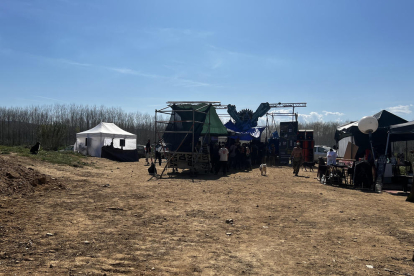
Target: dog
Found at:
x=322, y=168
x=35, y=149
x=263, y=169
x=309, y=165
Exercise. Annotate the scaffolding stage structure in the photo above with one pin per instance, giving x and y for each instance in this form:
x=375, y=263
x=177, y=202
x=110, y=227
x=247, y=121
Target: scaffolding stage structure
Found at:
x=188, y=121
x=277, y=114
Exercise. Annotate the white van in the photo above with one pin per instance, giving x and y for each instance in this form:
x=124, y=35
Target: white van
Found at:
x=320, y=151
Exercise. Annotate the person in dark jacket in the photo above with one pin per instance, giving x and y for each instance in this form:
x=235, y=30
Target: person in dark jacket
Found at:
x=148, y=151
x=158, y=150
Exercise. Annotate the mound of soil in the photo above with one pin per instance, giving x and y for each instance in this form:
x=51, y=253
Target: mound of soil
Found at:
x=16, y=179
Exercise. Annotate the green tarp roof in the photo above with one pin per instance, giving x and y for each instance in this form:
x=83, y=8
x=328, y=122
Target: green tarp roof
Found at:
x=216, y=126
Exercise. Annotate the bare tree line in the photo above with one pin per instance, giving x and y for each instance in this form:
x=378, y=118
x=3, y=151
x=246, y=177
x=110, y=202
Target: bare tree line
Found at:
x=56, y=125
x=323, y=132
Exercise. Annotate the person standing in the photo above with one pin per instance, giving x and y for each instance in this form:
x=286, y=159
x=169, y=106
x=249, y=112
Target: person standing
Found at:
x=224, y=156
x=243, y=156
x=148, y=151
x=297, y=156
x=238, y=162
x=158, y=153
x=248, y=158
x=215, y=158
x=232, y=156
x=331, y=157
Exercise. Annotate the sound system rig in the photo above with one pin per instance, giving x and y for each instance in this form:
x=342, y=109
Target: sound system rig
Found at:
x=305, y=138
x=289, y=136
x=287, y=140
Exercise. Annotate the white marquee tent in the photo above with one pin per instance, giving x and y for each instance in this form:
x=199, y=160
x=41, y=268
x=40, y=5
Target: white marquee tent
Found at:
x=90, y=142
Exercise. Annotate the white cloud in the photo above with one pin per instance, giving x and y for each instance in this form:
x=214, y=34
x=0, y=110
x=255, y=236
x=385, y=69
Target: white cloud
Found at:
x=326, y=113
x=281, y=111
x=311, y=117
x=402, y=109
x=276, y=118
x=325, y=116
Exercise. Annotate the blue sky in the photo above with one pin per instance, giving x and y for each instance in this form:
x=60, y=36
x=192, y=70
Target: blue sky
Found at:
x=345, y=59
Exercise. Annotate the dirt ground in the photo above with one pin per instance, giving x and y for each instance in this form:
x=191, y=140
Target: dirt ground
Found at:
x=112, y=219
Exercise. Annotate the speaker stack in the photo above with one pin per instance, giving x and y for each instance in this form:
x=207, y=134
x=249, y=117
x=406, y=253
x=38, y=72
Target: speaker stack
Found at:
x=301, y=135
x=287, y=141
x=305, y=138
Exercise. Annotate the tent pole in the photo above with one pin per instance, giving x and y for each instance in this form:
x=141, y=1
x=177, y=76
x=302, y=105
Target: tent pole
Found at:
x=386, y=147
x=155, y=134
x=209, y=138
x=372, y=148
x=193, y=146
x=100, y=154
x=406, y=150
x=351, y=148
x=209, y=125
x=353, y=142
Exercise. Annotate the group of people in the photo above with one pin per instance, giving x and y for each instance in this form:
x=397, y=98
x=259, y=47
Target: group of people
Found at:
x=237, y=156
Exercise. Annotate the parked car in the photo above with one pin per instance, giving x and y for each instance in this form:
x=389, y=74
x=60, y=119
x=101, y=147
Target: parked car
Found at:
x=320, y=151
x=141, y=151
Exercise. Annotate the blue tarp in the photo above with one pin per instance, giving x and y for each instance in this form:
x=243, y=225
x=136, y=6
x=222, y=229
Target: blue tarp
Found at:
x=275, y=135
x=252, y=133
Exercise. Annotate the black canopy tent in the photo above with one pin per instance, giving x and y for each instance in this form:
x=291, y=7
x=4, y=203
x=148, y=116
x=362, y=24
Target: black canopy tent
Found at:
x=350, y=130
x=400, y=132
